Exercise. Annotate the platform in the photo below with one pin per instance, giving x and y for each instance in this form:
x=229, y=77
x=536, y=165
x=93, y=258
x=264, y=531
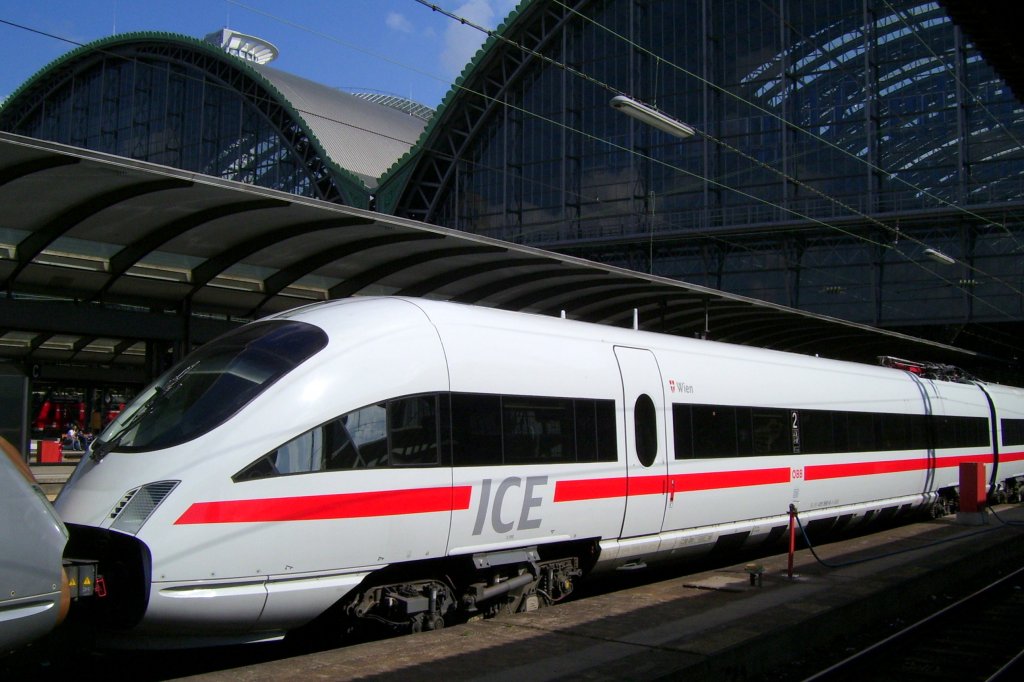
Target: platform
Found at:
x=707, y=626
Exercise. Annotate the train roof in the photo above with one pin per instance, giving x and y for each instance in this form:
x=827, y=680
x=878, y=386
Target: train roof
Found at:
x=447, y=315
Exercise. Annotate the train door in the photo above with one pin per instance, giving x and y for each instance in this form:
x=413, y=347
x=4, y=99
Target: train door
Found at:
x=646, y=448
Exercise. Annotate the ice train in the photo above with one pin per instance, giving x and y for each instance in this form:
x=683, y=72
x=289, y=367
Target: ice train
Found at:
x=413, y=462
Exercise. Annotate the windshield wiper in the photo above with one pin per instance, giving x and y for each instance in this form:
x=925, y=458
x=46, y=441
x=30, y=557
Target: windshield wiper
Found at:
x=101, y=448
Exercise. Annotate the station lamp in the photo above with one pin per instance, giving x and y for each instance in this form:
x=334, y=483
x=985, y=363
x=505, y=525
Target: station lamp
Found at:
x=651, y=116
x=939, y=257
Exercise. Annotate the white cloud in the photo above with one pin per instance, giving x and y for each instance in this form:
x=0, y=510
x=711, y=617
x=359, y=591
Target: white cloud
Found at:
x=398, y=22
x=461, y=42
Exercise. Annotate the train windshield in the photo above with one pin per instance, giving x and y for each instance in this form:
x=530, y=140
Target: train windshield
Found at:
x=210, y=385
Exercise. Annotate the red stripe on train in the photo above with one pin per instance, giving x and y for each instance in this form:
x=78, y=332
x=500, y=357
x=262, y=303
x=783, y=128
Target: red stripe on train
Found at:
x=730, y=479
x=341, y=506
x=817, y=472
x=603, y=488
x=589, y=489
x=1011, y=456
x=425, y=500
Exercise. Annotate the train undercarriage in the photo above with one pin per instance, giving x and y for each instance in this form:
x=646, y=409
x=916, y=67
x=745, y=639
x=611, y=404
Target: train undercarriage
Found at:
x=483, y=585
x=493, y=584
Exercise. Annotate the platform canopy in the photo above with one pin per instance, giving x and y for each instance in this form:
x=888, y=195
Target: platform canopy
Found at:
x=100, y=255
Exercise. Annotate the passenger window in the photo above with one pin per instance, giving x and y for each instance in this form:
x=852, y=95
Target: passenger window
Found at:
x=537, y=430
x=476, y=429
x=300, y=454
x=860, y=432
x=645, y=423
x=586, y=431
x=412, y=424
x=771, y=431
x=340, y=451
x=817, y=435
x=607, y=441
x=682, y=432
x=1013, y=431
x=715, y=431
x=367, y=427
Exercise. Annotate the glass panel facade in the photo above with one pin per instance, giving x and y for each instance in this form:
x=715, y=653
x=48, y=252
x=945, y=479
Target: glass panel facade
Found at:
x=175, y=114
x=821, y=124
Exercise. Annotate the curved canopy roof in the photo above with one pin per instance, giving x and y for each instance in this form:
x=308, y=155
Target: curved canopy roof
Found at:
x=351, y=139
x=96, y=246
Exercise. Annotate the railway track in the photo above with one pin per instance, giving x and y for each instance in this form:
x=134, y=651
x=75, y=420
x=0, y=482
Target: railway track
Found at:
x=975, y=638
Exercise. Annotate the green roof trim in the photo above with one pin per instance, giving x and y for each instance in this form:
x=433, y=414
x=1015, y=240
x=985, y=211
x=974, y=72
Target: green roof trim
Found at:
x=392, y=182
x=388, y=195
x=352, y=187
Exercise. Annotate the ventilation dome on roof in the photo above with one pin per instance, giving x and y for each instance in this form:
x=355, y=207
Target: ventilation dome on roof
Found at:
x=249, y=48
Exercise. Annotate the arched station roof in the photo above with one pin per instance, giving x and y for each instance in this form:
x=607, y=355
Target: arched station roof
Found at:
x=94, y=246
x=165, y=98
x=536, y=37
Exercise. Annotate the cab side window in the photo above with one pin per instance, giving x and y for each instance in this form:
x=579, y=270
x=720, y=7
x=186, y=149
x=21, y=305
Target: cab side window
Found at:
x=397, y=433
x=412, y=431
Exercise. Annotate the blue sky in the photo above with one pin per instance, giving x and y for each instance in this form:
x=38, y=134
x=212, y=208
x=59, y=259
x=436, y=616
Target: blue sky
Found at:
x=396, y=46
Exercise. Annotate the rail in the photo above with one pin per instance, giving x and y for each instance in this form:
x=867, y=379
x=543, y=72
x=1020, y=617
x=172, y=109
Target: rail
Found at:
x=974, y=638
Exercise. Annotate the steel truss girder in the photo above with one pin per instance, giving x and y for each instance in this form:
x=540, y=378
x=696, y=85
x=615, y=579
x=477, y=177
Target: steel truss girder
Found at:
x=37, y=242
x=475, y=107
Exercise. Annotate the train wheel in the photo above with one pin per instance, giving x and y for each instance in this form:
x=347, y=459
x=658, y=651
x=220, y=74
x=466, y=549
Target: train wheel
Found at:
x=412, y=606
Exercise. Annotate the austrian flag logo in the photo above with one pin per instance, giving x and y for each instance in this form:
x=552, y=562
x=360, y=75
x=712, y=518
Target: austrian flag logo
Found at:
x=672, y=385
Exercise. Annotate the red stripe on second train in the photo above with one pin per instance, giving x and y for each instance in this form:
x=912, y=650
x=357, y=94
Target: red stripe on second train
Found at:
x=341, y=506
x=603, y=488
x=817, y=472
x=1011, y=457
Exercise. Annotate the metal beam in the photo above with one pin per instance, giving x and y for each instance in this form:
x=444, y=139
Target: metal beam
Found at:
x=40, y=239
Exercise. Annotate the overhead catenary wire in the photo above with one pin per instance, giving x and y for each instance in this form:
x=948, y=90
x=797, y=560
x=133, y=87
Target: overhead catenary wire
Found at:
x=576, y=72
x=206, y=83
x=110, y=54
x=627, y=150
x=539, y=55
x=828, y=56
x=791, y=211
x=799, y=129
x=953, y=74
x=978, y=101
x=774, y=115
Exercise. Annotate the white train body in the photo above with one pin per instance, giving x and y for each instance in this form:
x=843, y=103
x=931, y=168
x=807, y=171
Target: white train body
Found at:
x=262, y=521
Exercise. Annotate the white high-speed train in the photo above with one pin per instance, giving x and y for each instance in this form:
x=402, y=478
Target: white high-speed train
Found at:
x=411, y=462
